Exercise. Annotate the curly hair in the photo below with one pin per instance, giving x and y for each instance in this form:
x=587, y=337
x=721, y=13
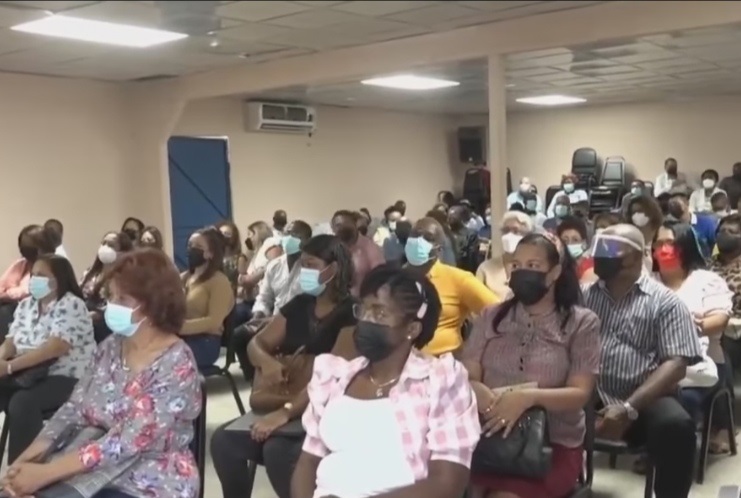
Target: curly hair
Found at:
x=150, y=277
x=330, y=249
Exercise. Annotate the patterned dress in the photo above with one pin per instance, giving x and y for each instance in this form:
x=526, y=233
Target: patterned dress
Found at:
x=148, y=417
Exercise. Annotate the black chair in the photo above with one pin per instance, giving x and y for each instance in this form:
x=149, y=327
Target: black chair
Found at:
x=584, y=485
x=6, y=432
x=617, y=448
x=198, y=444
x=215, y=370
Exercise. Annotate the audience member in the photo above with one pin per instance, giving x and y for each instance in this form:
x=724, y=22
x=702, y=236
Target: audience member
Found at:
x=33, y=241
x=401, y=206
x=393, y=247
x=51, y=343
x=732, y=185
x=700, y=198
x=442, y=207
x=141, y=392
x=465, y=240
x=446, y=198
x=561, y=209
x=648, y=340
x=56, y=231
x=669, y=179
x=485, y=231
x=637, y=187
x=279, y=285
x=391, y=216
x=703, y=224
x=568, y=189
x=663, y=200
x=604, y=220
x=280, y=220
x=448, y=255
x=572, y=232
x=644, y=213
x=318, y=321
x=461, y=294
x=523, y=194
x=681, y=267
x=151, y=238
x=208, y=296
x=397, y=316
x=263, y=247
x=539, y=335
x=494, y=272
x=235, y=262
x=473, y=220
x=373, y=222
x=362, y=223
x=365, y=254
x=133, y=228
x=719, y=205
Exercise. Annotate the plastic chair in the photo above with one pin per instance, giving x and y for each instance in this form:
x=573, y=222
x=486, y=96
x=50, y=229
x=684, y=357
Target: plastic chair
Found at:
x=198, y=444
x=215, y=370
x=617, y=448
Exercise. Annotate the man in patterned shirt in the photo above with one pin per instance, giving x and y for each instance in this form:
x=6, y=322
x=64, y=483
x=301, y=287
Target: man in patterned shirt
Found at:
x=648, y=340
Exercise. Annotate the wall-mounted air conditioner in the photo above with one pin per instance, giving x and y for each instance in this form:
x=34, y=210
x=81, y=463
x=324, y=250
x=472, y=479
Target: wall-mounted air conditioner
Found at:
x=278, y=117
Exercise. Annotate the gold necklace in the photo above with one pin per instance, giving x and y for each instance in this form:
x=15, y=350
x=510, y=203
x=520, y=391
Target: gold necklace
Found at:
x=380, y=387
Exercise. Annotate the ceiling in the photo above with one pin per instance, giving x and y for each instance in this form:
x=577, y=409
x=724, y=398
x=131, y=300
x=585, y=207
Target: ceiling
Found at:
x=244, y=32
x=672, y=66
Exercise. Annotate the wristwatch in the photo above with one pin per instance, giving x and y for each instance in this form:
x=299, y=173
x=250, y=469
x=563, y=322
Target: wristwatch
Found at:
x=632, y=412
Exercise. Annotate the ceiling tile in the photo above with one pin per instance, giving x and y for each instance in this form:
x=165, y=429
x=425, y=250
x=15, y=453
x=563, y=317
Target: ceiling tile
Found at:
x=526, y=73
x=715, y=52
x=315, y=19
x=256, y=10
x=435, y=15
x=10, y=41
x=53, y=6
x=135, y=13
x=609, y=70
x=666, y=64
x=375, y=8
x=547, y=78
x=646, y=57
x=624, y=50
x=252, y=31
x=314, y=39
x=368, y=26
x=538, y=53
x=396, y=34
x=10, y=16
x=489, y=5
x=318, y=3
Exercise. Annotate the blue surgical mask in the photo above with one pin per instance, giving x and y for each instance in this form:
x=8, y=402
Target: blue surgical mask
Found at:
x=308, y=280
x=561, y=210
x=635, y=190
x=417, y=251
x=531, y=205
x=291, y=245
x=568, y=187
x=576, y=250
x=118, y=318
x=38, y=287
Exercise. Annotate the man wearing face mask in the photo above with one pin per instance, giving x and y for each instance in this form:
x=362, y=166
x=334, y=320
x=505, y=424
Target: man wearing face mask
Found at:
x=703, y=224
x=365, y=254
x=279, y=285
x=523, y=193
x=670, y=178
x=636, y=188
x=390, y=217
x=648, y=339
x=393, y=247
x=732, y=185
x=700, y=198
x=280, y=220
x=461, y=294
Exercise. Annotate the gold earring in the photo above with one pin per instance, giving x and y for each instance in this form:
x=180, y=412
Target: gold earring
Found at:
x=409, y=337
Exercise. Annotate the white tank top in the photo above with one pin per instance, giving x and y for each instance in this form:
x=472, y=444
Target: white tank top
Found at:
x=366, y=456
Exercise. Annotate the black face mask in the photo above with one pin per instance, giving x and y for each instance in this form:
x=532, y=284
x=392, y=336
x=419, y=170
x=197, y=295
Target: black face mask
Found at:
x=372, y=340
x=671, y=170
x=133, y=234
x=29, y=253
x=528, y=286
x=249, y=245
x=195, y=258
x=728, y=243
x=607, y=268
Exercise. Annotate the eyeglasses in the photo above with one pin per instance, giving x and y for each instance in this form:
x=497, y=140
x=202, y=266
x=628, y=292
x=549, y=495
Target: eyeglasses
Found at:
x=375, y=314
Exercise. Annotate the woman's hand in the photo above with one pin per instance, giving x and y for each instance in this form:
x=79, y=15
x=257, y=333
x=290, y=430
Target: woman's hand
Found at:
x=272, y=373
x=507, y=410
x=28, y=478
x=485, y=400
x=264, y=427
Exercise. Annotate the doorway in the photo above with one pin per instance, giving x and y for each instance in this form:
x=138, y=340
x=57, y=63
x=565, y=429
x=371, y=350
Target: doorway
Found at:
x=200, y=188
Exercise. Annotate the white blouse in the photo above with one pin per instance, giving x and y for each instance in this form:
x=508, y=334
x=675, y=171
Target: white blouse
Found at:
x=259, y=261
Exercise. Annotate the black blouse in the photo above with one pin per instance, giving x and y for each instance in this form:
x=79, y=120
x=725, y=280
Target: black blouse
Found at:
x=318, y=335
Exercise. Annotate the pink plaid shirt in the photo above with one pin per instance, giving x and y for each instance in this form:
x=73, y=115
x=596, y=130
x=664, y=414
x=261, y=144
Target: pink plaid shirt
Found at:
x=435, y=407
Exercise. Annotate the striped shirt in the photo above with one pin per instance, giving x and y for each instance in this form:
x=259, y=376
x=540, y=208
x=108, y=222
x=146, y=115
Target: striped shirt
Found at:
x=646, y=327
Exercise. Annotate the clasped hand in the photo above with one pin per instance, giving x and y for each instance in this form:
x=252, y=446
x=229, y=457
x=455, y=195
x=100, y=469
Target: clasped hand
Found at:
x=503, y=411
x=612, y=422
x=23, y=479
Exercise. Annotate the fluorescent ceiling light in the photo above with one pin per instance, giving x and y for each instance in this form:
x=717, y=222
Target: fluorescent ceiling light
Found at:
x=110, y=33
x=551, y=100
x=410, y=82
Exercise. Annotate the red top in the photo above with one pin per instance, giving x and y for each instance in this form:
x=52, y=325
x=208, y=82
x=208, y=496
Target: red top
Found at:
x=584, y=265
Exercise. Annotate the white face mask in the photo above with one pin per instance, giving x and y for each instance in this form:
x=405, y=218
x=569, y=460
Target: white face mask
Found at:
x=639, y=219
x=524, y=188
x=708, y=183
x=107, y=255
x=510, y=241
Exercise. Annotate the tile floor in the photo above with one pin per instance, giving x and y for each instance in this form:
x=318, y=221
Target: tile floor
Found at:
x=618, y=483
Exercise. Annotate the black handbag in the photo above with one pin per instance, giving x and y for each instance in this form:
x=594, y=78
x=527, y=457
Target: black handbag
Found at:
x=525, y=452
x=28, y=377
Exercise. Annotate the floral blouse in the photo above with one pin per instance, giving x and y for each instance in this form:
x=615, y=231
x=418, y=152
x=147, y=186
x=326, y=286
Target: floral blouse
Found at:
x=67, y=319
x=148, y=417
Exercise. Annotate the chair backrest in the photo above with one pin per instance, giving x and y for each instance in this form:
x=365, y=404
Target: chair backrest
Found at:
x=590, y=415
x=648, y=188
x=198, y=444
x=226, y=337
x=550, y=193
x=613, y=172
x=585, y=164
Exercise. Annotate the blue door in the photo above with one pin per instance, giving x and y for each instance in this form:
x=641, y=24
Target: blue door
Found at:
x=200, y=191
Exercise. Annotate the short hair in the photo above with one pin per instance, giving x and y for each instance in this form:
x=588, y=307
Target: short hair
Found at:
x=391, y=209
x=63, y=273
x=572, y=223
x=150, y=277
x=216, y=244
x=685, y=239
x=301, y=229
x=261, y=230
x=41, y=239
x=330, y=249
x=410, y=292
x=344, y=213
x=235, y=244
x=670, y=159
x=155, y=232
x=569, y=177
x=711, y=173
x=520, y=217
x=650, y=206
x=734, y=218
x=54, y=225
x=280, y=219
x=608, y=217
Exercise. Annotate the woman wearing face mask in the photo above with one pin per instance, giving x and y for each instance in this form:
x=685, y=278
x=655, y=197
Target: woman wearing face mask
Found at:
x=568, y=188
x=681, y=267
x=644, y=213
x=235, y=262
x=133, y=228
x=461, y=294
x=141, y=390
x=208, y=296
x=396, y=390
x=542, y=337
x=113, y=244
x=561, y=210
x=50, y=326
x=637, y=187
x=700, y=198
x=494, y=272
x=318, y=321
x=572, y=232
x=151, y=238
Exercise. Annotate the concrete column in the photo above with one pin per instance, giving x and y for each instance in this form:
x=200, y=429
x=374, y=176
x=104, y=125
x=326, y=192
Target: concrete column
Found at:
x=497, y=148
